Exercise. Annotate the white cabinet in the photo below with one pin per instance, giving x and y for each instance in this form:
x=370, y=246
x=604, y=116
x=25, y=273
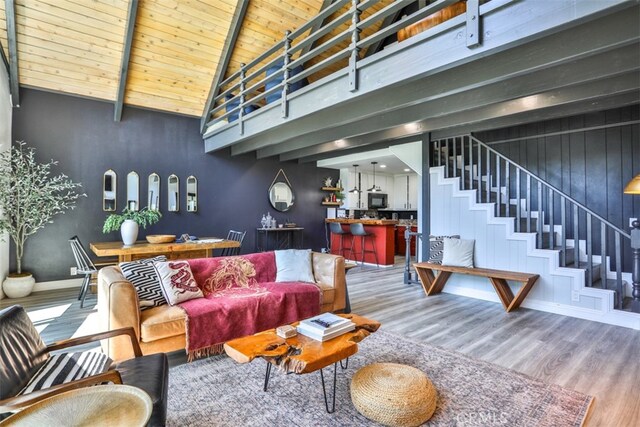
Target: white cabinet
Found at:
x=405, y=192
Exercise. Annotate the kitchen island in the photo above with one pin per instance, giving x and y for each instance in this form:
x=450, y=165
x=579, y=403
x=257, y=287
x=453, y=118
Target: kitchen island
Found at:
x=383, y=236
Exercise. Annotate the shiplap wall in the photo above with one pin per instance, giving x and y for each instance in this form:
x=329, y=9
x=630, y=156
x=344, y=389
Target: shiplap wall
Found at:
x=591, y=166
x=5, y=143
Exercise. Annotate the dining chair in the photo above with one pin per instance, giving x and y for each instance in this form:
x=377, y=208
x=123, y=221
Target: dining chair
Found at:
x=237, y=236
x=84, y=266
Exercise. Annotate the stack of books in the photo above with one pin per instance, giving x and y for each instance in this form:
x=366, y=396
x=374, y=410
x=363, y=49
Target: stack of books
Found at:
x=325, y=326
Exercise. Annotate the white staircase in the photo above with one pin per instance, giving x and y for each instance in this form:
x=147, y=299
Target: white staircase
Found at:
x=481, y=195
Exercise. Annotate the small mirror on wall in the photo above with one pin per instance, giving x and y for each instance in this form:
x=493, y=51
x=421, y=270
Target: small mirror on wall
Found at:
x=153, y=203
x=173, y=193
x=109, y=191
x=280, y=193
x=192, y=194
x=133, y=191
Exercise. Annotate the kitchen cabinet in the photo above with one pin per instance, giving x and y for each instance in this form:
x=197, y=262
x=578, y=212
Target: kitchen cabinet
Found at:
x=412, y=192
x=401, y=243
x=405, y=192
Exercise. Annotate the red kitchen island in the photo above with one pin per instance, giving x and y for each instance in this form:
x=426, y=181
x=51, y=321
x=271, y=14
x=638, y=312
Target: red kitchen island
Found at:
x=383, y=235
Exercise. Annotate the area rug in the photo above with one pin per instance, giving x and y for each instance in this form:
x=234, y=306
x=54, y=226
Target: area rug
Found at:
x=219, y=392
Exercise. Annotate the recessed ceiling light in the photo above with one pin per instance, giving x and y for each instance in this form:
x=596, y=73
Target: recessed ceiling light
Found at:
x=383, y=166
x=407, y=170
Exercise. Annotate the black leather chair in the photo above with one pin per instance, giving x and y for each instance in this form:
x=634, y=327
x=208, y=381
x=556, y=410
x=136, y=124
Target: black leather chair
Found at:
x=22, y=353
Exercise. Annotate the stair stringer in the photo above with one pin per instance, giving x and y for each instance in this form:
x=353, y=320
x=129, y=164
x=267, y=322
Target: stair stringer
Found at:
x=559, y=290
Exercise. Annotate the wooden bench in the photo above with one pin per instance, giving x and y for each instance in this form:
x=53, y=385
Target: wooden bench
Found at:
x=434, y=284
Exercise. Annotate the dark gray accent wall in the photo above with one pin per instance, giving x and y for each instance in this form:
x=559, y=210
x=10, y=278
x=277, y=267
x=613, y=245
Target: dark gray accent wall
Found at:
x=591, y=166
x=83, y=137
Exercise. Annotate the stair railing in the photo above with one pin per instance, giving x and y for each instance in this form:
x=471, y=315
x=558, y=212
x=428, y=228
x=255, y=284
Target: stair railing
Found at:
x=246, y=87
x=410, y=276
x=499, y=180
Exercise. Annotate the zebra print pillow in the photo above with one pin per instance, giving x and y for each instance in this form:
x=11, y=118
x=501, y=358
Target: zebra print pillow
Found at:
x=145, y=278
x=67, y=367
x=436, y=247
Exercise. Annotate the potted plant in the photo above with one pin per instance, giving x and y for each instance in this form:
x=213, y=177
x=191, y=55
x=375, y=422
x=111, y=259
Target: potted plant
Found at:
x=29, y=198
x=129, y=221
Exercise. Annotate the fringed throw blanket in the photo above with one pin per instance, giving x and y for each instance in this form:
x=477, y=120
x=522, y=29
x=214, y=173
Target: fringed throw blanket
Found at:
x=241, y=299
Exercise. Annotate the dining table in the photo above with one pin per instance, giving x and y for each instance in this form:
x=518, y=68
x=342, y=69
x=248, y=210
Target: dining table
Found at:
x=201, y=248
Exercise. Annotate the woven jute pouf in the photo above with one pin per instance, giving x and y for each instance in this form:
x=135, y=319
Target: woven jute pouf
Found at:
x=393, y=394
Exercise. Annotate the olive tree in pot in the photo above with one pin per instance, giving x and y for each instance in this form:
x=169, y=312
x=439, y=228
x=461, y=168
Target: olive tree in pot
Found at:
x=30, y=196
x=129, y=221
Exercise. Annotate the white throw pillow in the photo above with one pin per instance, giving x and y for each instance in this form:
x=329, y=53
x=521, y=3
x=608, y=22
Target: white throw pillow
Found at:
x=294, y=265
x=178, y=284
x=458, y=252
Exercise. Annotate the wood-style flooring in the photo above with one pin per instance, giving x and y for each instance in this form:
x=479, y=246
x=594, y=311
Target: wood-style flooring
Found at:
x=593, y=358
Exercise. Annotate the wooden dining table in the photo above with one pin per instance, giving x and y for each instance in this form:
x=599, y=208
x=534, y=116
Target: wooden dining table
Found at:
x=201, y=248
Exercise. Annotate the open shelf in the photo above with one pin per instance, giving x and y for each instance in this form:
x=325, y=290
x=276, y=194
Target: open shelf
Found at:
x=332, y=189
x=331, y=203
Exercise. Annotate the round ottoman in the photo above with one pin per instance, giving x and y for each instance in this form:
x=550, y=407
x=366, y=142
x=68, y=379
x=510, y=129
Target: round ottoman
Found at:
x=393, y=394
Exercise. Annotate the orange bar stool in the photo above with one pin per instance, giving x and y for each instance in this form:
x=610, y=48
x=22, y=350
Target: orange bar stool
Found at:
x=357, y=230
x=336, y=228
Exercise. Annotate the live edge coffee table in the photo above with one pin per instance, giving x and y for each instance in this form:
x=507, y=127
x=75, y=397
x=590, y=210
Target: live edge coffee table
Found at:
x=301, y=354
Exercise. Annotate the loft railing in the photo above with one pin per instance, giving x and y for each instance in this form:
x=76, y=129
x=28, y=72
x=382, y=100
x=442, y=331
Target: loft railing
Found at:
x=247, y=86
x=499, y=180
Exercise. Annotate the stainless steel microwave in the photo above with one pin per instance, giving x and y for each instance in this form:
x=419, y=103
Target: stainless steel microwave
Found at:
x=377, y=201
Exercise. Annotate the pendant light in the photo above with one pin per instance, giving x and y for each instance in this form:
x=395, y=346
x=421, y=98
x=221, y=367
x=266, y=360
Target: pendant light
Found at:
x=374, y=188
x=355, y=189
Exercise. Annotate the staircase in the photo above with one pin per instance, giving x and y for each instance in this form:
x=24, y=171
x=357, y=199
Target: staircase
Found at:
x=580, y=238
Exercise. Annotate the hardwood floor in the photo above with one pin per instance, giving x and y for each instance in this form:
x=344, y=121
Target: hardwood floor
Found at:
x=594, y=358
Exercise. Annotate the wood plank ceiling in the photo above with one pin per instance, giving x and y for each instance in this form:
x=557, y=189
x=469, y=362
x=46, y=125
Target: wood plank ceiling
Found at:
x=76, y=46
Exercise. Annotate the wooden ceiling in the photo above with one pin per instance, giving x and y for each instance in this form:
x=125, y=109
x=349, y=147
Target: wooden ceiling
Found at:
x=76, y=46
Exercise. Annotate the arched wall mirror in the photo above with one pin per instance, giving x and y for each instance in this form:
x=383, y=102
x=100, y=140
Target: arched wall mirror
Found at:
x=133, y=191
x=109, y=191
x=173, y=193
x=281, y=194
x=153, y=198
x=192, y=194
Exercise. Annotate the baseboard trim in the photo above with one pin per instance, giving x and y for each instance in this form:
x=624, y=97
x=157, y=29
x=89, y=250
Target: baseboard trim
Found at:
x=57, y=284
x=615, y=317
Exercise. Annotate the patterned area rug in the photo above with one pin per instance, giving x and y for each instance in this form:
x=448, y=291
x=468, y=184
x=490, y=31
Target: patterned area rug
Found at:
x=217, y=391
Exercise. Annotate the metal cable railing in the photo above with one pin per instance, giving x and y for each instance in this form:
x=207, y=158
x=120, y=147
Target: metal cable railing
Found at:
x=537, y=207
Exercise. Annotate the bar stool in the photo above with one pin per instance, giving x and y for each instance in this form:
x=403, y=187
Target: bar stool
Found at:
x=357, y=230
x=336, y=228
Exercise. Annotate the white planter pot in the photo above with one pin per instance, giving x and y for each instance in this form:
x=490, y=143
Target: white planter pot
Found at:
x=18, y=286
x=129, y=232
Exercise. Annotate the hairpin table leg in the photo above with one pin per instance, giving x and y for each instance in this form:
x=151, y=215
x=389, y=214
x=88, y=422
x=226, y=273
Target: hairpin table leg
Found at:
x=266, y=376
x=346, y=363
x=324, y=391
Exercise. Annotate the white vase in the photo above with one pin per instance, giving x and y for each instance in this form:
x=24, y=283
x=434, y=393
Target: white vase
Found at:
x=18, y=286
x=129, y=232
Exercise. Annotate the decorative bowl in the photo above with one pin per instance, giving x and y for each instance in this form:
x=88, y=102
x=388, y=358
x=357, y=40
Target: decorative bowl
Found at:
x=161, y=238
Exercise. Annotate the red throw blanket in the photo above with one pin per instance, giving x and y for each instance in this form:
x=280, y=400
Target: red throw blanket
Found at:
x=241, y=299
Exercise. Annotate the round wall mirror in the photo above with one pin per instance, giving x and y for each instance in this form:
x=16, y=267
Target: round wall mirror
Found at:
x=281, y=196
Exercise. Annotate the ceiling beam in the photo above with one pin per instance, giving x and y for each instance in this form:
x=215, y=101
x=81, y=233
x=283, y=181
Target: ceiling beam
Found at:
x=469, y=119
x=361, y=149
x=5, y=60
x=388, y=20
x=225, y=57
x=315, y=27
x=626, y=59
x=124, y=62
x=12, y=41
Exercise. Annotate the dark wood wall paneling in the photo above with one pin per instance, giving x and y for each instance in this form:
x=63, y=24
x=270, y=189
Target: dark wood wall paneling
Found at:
x=83, y=137
x=591, y=166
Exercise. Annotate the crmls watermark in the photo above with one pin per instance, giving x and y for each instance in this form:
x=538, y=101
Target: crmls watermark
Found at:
x=482, y=418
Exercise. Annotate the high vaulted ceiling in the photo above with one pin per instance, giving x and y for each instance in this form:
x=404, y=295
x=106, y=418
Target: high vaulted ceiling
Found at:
x=77, y=46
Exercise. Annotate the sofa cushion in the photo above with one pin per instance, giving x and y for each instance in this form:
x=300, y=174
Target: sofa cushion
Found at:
x=162, y=322
x=178, y=283
x=294, y=265
x=144, y=277
x=458, y=253
x=328, y=293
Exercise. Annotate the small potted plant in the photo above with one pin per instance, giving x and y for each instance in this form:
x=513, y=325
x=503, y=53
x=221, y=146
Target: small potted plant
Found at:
x=29, y=198
x=129, y=221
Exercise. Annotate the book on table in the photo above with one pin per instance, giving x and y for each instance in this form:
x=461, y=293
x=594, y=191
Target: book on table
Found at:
x=325, y=326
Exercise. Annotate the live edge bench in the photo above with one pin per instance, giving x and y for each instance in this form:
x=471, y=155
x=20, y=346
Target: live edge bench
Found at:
x=434, y=284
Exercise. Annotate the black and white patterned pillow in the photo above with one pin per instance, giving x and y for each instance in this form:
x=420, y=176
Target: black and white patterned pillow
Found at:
x=436, y=247
x=67, y=367
x=145, y=278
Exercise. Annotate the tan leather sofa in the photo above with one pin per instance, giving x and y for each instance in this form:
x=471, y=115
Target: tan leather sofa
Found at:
x=162, y=329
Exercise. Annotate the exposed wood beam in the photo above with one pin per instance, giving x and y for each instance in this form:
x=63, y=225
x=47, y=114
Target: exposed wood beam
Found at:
x=12, y=41
x=4, y=59
x=388, y=20
x=593, y=68
x=124, y=62
x=227, y=50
